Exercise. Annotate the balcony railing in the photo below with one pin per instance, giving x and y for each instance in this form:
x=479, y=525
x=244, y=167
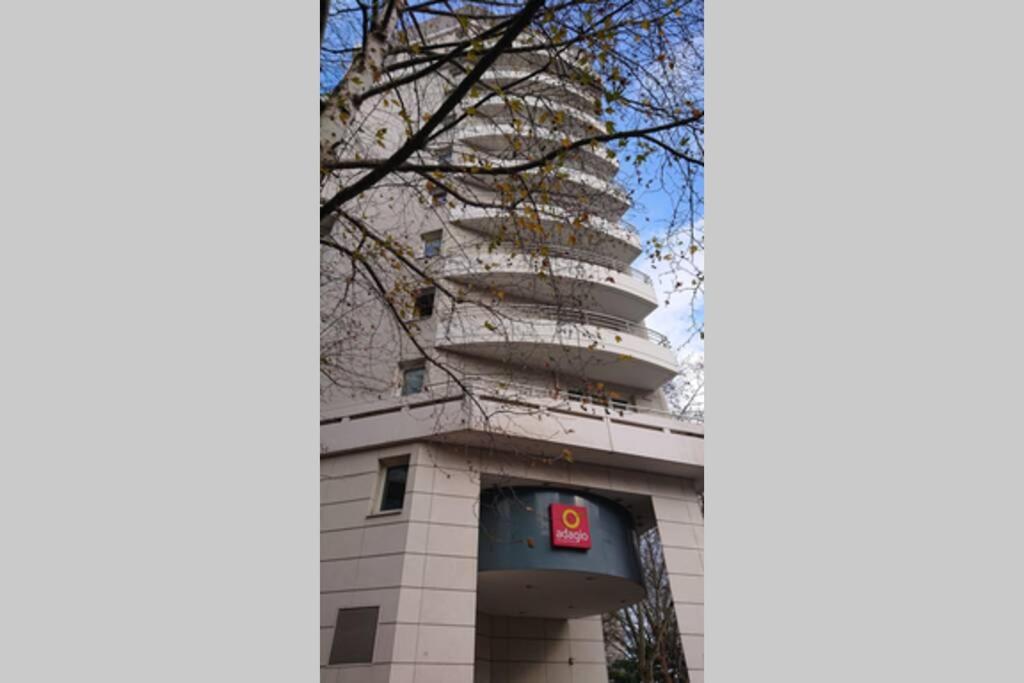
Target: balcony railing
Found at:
x=617, y=229
x=575, y=316
x=526, y=81
x=600, y=163
x=598, y=260
x=502, y=111
x=516, y=391
x=479, y=387
x=594, y=189
x=569, y=253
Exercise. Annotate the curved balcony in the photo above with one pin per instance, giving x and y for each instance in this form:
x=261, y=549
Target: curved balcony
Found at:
x=566, y=185
x=558, y=274
x=584, y=344
x=544, y=111
x=501, y=138
x=544, y=85
x=608, y=193
x=571, y=59
x=618, y=240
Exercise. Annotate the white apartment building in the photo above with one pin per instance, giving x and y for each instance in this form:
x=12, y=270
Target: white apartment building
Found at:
x=474, y=528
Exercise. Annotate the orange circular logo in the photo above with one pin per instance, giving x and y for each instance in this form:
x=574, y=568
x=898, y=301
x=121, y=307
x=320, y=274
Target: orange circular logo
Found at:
x=570, y=514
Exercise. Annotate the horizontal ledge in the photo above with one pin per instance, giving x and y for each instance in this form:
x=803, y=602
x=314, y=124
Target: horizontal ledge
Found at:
x=400, y=553
x=335, y=591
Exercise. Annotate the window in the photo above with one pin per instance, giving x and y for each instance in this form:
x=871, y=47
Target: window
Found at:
x=603, y=399
x=622, y=405
x=424, y=304
x=354, y=635
x=432, y=244
x=392, y=494
x=439, y=195
x=413, y=379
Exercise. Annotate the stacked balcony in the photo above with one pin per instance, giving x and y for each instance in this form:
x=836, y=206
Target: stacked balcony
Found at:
x=564, y=339
x=563, y=227
x=557, y=274
x=558, y=259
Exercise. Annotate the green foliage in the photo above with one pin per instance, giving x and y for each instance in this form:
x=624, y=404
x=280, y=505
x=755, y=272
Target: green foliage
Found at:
x=624, y=671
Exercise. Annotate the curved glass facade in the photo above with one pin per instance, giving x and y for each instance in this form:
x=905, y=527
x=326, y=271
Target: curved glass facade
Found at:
x=515, y=534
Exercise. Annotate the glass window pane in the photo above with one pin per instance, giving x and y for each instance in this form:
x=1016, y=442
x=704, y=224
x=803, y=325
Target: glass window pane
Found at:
x=424, y=307
x=432, y=244
x=412, y=381
x=393, y=495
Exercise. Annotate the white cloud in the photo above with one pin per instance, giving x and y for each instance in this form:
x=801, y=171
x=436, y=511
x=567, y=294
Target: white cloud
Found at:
x=675, y=319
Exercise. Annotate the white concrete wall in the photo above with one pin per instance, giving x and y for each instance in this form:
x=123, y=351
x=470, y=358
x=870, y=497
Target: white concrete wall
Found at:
x=362, y=560
x=528, y=650
x=435, y=641
x=420, y=566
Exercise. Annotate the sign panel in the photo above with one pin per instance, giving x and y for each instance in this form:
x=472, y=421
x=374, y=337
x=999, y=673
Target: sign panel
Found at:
x=569, y=526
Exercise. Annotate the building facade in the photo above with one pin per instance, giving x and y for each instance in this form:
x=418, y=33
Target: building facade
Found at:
x=478, y=518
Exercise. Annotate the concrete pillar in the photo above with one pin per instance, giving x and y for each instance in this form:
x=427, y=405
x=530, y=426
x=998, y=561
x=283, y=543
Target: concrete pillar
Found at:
x=435, y=632
x=681, y=526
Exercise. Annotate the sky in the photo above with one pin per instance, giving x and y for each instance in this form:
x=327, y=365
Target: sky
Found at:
x=652, y=214
x=673, y=320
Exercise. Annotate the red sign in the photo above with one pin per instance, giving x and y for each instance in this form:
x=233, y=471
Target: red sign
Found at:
x=569, y=526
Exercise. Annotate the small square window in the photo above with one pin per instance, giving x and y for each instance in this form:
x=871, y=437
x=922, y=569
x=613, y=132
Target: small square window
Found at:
x=604, y=399
x=354, y=634
x=413, y=379
x=392, y=495
x=432, y=244
x=423, y=307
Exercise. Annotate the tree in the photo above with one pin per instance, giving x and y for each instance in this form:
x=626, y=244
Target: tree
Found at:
x=400, y=78
x=685, y=393
x=642, y=640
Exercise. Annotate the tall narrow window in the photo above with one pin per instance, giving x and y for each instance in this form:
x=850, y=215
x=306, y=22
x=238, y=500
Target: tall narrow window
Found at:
x=424, y=304
x=354, y=635
x=438, y=193
x=432, y=244
x=392, y=495
x=413, y=379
